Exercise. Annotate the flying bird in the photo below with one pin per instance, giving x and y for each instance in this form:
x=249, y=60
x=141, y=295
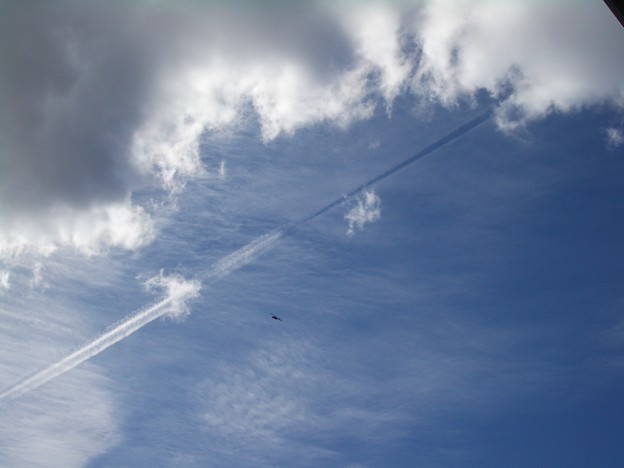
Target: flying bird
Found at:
x=275, y=317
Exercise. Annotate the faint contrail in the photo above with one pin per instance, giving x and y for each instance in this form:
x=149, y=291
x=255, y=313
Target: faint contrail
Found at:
x=432, y=148
x=219, y=269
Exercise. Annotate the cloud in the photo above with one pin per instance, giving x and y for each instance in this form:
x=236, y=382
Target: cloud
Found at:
x=367, y=209
x=5, y=276
x=67, y=424
x=375, y=30
x=91, y=231
x=97, y=106
x=69, y=421
x=261, y=407
x=177, y=292
x=534, y=56
x=615, y=137
x=295, y=397
x=105, y=107
x=72, y=96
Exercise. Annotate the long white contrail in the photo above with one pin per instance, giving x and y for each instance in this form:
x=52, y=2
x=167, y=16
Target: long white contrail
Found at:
x=139, y=319
x=219, y=269
x=99, y=344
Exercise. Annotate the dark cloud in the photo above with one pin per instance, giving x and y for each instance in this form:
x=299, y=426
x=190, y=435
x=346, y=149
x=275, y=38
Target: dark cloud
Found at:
x=73, y=92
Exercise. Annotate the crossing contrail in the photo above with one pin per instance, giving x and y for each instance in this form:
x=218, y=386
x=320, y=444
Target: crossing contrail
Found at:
x=219, y=269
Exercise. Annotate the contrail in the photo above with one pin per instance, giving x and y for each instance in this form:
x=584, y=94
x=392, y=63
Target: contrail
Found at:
x=433, y=147
x=138, y=320
x=244, y=255
x=219, y=269
x=99, y=344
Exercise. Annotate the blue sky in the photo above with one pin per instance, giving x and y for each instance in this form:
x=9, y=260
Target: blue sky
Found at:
x=466, y=311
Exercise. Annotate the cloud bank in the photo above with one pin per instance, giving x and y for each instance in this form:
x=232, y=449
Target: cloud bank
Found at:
x=76, y=418
x=101, y=104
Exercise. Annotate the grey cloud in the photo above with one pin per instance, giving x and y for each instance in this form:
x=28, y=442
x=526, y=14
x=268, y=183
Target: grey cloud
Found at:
x=78, y=79
x=250, y=31
x=73, y=92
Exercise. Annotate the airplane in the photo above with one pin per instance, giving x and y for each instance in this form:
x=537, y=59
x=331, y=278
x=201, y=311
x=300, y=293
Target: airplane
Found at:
x=275, y=317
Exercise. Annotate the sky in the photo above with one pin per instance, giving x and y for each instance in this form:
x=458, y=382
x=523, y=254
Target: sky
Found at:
x=429, y=194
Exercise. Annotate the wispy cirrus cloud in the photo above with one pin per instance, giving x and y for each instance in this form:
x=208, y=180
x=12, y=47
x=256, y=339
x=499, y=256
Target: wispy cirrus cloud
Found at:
x=68, y=424
x=296, y=397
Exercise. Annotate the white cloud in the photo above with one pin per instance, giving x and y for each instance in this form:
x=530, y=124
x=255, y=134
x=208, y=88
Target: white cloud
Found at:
x=5, y=276
x=367, y=209
x=375, y=30
x=177, y=290
x=90, y=231
x=536, y=56
x=374, y=145
x=615, y=137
